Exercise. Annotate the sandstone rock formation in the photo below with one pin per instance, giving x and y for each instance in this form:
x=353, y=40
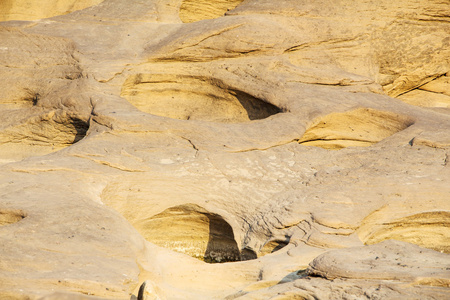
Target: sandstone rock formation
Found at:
x=31, y=10
x=256, y=149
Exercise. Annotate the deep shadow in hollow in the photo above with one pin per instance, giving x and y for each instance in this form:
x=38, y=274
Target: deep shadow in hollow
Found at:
x=248, y=254
x=81, y=128
x=222, y=246
x=281, y=245
x=256, y=108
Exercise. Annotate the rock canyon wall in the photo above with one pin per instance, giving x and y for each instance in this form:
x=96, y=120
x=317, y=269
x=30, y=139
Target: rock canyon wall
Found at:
x=255, y=149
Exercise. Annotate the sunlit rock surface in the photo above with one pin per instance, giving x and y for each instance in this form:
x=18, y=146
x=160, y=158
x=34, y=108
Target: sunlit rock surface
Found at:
x=256, y=149
x=32, y=10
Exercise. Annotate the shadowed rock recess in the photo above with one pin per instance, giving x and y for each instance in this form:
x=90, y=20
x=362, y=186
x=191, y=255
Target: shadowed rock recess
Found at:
x=192, y=230
x=272, y=247
x=40, y=134
x=184, y=149
x=193, y=98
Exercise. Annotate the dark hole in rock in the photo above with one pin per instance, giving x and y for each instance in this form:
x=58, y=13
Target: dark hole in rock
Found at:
x=192, y=230
x=357, y=128
x=10, y=216
x=194, y=98
x=248, y=254
x=81, y=128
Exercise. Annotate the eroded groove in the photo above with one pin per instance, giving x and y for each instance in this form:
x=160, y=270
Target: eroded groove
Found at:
x=41, y=134
x=428, y=229
x=56, y=128
x=358, y=128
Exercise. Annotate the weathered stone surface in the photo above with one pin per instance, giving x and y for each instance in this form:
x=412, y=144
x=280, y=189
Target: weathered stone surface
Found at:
x=193, y=11
x=32, y=10
x=388, y=260
x=140, y=140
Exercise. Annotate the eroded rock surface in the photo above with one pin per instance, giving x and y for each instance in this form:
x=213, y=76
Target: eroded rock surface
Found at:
x=303, y=143
x=32, y=10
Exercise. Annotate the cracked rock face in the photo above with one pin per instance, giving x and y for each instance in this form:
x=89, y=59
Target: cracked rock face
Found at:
x=249, y=149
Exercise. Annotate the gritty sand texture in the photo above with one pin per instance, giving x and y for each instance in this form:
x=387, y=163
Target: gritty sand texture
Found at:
x=256, y=149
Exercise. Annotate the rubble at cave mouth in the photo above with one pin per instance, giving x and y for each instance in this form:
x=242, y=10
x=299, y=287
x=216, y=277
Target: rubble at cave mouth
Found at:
x=192, y=230
x=194, y=98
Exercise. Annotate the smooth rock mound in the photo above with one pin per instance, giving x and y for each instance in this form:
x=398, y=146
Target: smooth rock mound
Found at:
x=388, y=260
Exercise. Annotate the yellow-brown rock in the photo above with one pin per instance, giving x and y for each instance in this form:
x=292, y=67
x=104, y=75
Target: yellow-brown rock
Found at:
x=357, y=128
x=197, y=10
x=169, y=149
x=33, y=10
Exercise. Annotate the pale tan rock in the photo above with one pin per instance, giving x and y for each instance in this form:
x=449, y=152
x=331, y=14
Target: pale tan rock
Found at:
x=39, y=115
x=429, y=229
x=193, y=11
x=423, y=98
x=400, y=262
x=193, y=98
x=10, y=216
x=32, y=10
x=440, y=85
x=358, y=128
x=108, y=182
x=432, y=94
x=147, y=291
x=68, y=296
x=191, y=230
x=365, y=272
